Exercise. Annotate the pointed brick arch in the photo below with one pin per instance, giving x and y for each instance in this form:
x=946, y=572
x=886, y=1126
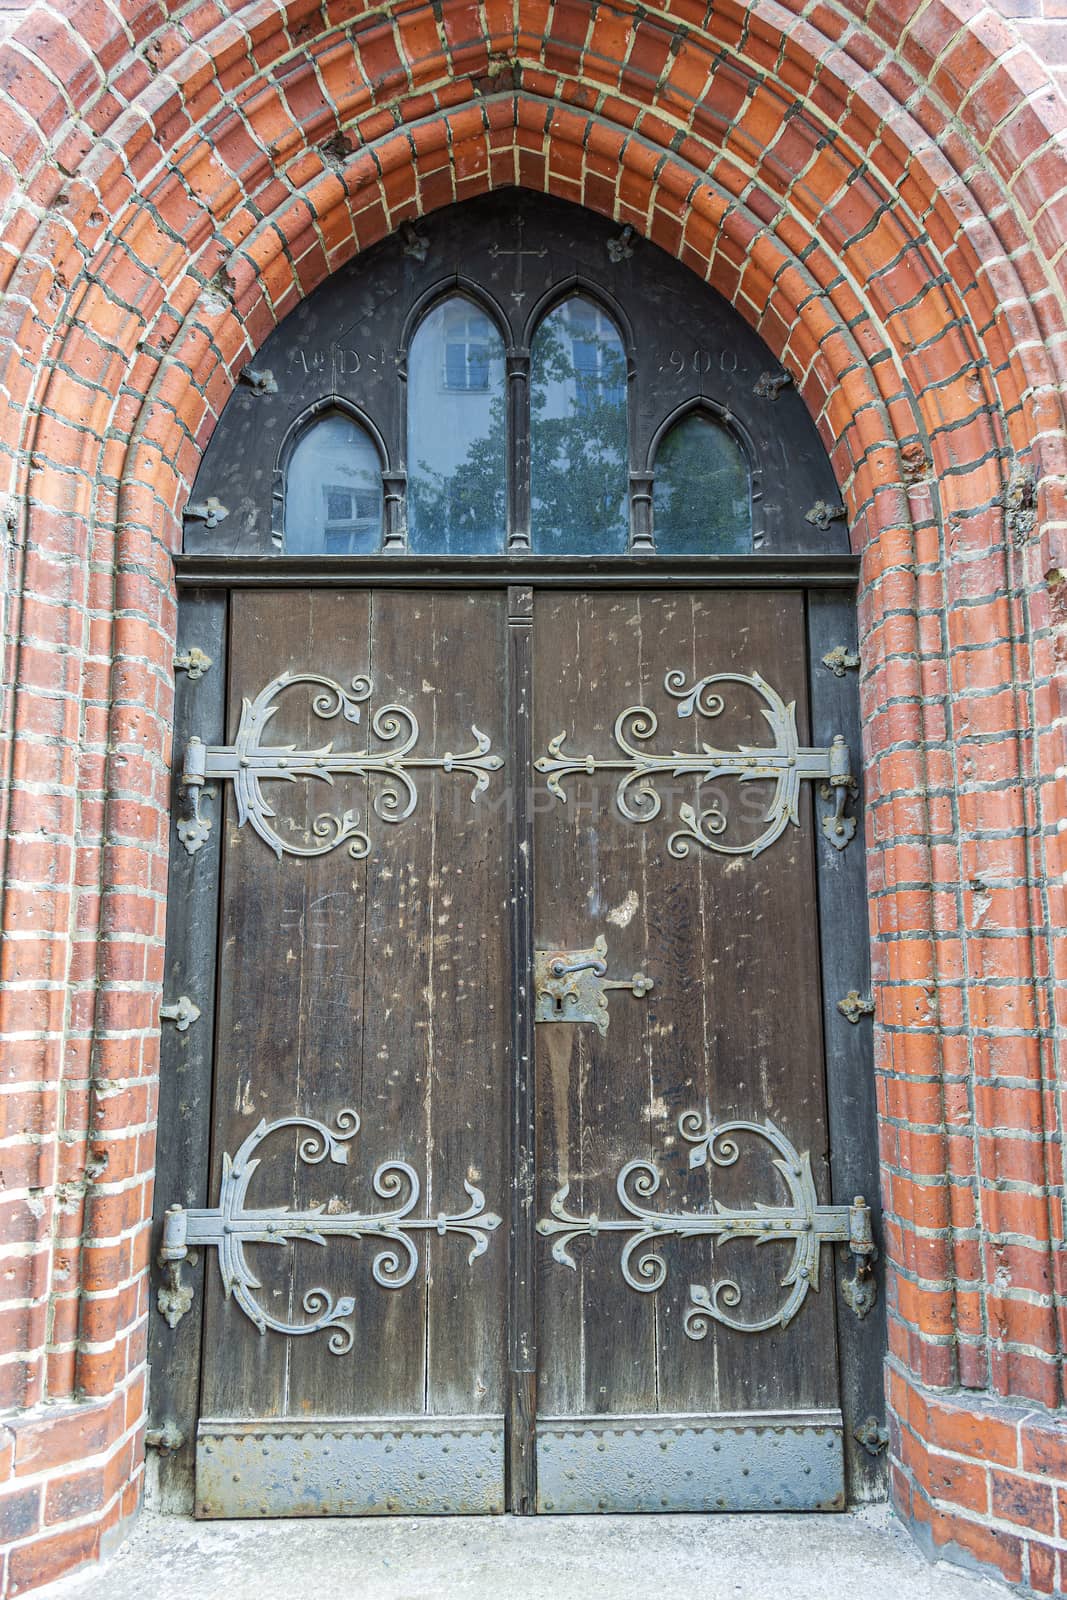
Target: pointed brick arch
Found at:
x=880, y=200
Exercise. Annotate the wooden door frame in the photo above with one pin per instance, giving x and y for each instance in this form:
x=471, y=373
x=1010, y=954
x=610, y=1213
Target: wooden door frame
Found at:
x=187, y=1057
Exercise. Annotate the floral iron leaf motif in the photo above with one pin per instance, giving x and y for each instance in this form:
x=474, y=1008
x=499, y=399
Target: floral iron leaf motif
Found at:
x=803, y=1222
x=230, y=1226
x=248, y=763
x=787, y=763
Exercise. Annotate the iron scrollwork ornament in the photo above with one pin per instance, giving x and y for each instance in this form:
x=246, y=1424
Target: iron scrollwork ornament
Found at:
x=230, y=1227
x=804, y=1223
x=247, y=763
x=787, y=763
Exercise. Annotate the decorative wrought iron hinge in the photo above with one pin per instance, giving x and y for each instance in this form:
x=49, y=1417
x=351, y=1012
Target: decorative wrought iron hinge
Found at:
x=210, y=512
x=841, y=660
x=247, y=764
x=872, y=1435
x=821, y=515
x=787, y=763
x=229, y=1227
x=181, y=1012
x=193, y=661
x=854, y=1006
x=804, y=1223
x=572, y=986
x=173, y=1297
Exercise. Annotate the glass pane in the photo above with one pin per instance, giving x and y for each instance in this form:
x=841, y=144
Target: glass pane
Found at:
x=579, y=466
x=701, y=503
x=333, y=490
x=457, y=428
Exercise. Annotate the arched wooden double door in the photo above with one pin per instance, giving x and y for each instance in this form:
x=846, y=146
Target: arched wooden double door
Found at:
x=514, y=1139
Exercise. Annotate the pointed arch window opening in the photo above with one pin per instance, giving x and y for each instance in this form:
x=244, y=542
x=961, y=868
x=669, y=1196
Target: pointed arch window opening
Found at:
x=468, y=347
x=334, y=502
x=579, y=433
x=457, y=432
x=702, y=489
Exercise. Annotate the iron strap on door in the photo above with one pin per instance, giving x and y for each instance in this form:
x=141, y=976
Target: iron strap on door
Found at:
x=804, y=1223
x=247, y=764
x=787, y=763
x=230, y=1226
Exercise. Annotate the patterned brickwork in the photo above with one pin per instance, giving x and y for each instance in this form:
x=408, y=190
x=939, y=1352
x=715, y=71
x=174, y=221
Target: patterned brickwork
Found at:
x=882, y=192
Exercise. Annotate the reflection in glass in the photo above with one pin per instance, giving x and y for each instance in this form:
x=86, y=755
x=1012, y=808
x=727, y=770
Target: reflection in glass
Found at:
x=701, y=501
x=578, y=442
x=333, y=490
x=457, y=429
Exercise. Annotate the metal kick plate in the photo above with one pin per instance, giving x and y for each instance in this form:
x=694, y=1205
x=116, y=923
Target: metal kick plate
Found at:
x=744, y=1461
x=345, y=1467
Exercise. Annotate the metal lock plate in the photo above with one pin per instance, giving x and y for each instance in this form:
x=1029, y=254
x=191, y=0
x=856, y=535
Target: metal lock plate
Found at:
x=572, y=985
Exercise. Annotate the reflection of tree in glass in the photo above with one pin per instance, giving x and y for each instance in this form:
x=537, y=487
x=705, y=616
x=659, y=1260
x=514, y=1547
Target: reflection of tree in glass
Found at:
x=579, y=452
x=701, y=495
x=463, y=512
x=578, y=443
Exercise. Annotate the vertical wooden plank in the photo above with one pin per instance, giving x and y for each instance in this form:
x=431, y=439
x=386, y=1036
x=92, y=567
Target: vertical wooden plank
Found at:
x=290, y=1004
x=596, y=1335
x=435, y=1009
x=522, y=1265
x=757, y=1053
x=467, y=1002
x=322, y=934
x=184, y=1116
x=844, y=939
x=391, y=1076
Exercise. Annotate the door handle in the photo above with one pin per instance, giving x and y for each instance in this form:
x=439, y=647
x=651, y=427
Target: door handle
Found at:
x=572, y=985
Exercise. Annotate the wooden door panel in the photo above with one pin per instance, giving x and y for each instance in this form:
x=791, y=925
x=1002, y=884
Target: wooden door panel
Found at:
x=278, y=985
x=592, y=1116
x=373, y=981
x=438, y=985
x=375, y=984
x=730, y=1031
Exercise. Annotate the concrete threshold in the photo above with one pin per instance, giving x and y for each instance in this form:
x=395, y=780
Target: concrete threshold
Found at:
x=860, y=1555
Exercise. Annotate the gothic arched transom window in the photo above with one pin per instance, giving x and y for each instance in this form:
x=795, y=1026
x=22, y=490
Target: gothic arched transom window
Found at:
x=515, y=378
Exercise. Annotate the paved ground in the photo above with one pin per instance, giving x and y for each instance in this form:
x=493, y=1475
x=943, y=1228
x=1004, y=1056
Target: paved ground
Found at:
x=861, y=1556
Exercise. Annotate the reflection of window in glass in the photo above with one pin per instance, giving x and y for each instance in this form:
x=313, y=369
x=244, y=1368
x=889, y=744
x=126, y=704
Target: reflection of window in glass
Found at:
x=457, y=432
x=578, y=440
x=468, y=340
x=701, y=496
x=333, y=490
x=599, y=374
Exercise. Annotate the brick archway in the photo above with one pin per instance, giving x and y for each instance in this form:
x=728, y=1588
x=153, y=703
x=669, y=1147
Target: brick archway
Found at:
x=833, y=186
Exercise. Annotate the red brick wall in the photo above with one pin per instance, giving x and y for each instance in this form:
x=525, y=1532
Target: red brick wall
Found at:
x=884, y=197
